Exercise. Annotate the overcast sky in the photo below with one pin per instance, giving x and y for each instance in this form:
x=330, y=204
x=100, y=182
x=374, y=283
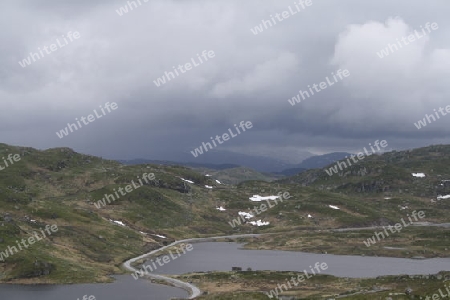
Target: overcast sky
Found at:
x=117, y=58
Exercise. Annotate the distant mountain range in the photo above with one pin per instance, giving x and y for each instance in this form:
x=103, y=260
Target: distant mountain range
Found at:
x=141, y=161
x=320, y=161
x=388, y=173
x=59, y=186
x=229, y=160
x=219, y=160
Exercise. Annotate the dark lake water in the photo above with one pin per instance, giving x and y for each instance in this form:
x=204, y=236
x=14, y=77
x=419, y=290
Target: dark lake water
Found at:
x=213, y=256
x=124, y=288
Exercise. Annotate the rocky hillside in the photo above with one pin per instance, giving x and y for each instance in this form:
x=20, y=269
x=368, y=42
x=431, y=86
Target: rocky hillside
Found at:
x=389, y=174
x=63, y=188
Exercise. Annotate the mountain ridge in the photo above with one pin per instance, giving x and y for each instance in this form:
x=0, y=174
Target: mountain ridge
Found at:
x=59, y=186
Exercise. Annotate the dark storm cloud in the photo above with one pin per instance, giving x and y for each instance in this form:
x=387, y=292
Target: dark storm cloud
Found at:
x=251, y=77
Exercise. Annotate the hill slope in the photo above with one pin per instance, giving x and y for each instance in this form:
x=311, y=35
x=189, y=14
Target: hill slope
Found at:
x=390, y=173
x=61, y=187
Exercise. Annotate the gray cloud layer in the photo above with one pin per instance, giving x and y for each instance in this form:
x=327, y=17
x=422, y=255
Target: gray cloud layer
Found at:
x=251, y=77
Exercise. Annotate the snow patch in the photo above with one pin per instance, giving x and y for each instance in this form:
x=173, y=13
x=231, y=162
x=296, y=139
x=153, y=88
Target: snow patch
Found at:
x=187, y=180
x=440, y=197
x=333, y=207
x=221, y=208
x=309, y=216
x=208, y=187
x=259, y=223
x=218, y=181
x=160, y=236
x=207, y=175
x=245, y=215
x=258, y=198
x=420, y=175
x=118, y=223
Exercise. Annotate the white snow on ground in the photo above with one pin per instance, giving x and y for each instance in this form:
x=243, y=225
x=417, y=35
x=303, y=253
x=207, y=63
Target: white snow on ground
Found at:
x=208, y=187
x=443, y=197
x=254, y=223
x=418, y=175
x=387, y=198
x=333, y=207
x=187, y=180
x=161, y=236
x=207, y=175
x=218, y=181
x=246, y=215
x=403, y=207
x=259, y=223
x=220, y=208
x=143, y=233
x=309, y=216
x=258, y=198
x=119, y=223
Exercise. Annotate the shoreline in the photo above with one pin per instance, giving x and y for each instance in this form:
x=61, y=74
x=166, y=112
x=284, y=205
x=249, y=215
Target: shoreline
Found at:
x=190, y=288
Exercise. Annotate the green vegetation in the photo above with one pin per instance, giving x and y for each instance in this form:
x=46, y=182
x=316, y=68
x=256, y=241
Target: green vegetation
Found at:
x=59, y=186
x=238, y=175
x=239, y=285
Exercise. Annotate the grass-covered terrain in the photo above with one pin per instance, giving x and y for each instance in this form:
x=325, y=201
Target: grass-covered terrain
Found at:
x=238, y=175
x=242, y=285
x=60, y=186
x=411, y=242
x=389, y=173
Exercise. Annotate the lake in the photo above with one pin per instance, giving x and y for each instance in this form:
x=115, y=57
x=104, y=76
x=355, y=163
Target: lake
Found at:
x=215, y=256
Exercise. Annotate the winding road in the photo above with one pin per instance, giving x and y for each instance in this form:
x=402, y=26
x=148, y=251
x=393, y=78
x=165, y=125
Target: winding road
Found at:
x=195, y=291
x=192, y=289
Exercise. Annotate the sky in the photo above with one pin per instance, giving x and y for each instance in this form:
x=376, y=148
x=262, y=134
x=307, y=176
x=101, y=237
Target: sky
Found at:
x=117, y=58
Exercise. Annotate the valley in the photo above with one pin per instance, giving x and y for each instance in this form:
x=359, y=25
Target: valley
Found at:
x=323, y=215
